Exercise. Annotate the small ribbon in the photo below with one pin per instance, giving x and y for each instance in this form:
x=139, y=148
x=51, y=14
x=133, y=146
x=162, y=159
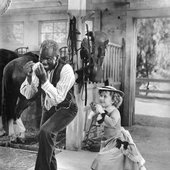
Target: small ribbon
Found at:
x=119, y=143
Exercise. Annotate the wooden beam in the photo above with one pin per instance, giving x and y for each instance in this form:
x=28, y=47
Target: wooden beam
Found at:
x=154, y=91
x=149, y=13
x=153, y=97
x=152, y=80
x=36, y=4
x=129, y=73
x=75, y=130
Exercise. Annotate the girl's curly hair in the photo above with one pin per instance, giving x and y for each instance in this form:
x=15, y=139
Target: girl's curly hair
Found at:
x=116, y=98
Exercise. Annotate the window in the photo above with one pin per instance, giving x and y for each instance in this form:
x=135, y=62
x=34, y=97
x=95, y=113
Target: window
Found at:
x=55, y=30
x=13, y=32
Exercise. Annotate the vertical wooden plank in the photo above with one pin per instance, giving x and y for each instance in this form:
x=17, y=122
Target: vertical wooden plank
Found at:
x=133, y=71
x=129, y=73
x=117, y=64
x=108, y=61
x=1, y=125
x=74, y=131
x=123, y=51
x=112, y=76
x=107, y=65
x=112, y=60
x=111, y=63
x=119, y=56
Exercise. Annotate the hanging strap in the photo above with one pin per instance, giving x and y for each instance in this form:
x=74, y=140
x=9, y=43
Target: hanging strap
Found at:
x=72, y=39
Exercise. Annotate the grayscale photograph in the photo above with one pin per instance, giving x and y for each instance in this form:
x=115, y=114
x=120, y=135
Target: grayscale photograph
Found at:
x=62, y=62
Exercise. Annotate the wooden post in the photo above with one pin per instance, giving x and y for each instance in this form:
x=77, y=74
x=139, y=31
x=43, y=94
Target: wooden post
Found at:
x=1, y=127
x=74, y=131
x=129, y=73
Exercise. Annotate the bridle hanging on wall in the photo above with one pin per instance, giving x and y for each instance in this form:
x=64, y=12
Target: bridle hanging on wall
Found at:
x=72, y=39
x=91, y=54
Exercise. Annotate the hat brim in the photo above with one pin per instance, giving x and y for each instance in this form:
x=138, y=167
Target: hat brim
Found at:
x=110, y=88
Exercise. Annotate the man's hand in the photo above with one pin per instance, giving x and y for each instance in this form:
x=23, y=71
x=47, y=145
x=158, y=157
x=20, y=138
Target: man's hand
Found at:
x=41, y=73
x=27, y=68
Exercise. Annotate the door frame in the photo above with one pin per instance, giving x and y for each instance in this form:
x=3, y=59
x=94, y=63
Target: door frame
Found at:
x=129, y=68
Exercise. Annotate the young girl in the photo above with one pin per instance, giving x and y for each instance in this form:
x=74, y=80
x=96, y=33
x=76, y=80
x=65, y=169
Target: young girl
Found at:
x=118, y=151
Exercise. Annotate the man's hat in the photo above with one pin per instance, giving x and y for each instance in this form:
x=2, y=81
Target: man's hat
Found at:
x=111, y=88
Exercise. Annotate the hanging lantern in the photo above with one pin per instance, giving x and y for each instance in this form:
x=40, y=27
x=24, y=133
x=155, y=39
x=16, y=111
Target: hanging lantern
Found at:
x=4, y=5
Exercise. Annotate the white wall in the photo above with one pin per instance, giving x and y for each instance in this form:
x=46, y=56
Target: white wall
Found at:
x=31, y=28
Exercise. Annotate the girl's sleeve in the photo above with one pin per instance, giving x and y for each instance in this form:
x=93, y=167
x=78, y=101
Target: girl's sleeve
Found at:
x=112, y=119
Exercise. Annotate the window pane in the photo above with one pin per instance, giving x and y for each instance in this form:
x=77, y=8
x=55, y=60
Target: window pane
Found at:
x=60, y=37
x=18, y=28
x=13, y=32
x=60, y=27
x=46, y=36
x=42, y=37
x=18, y=31
x=47, y=27
x=55, y=30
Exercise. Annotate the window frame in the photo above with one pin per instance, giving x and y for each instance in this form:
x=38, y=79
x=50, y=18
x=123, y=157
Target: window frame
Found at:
x=53, y=31
x=8, y=29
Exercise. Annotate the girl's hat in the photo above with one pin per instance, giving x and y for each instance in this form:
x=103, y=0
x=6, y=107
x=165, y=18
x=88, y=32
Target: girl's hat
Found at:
x=111, y=88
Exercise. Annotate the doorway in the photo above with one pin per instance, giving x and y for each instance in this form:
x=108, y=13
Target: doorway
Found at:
x=129, y=72
x=153, y=141
x=152, y=102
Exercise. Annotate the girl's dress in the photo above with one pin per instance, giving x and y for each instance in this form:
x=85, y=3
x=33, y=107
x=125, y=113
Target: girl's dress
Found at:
x=118, y=151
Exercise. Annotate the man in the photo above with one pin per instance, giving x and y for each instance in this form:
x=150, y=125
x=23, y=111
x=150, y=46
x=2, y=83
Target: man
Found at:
x=54, y=79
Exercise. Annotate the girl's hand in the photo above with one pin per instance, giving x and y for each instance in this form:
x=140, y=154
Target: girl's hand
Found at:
x=99, y=109
x=91, y=115
x=93, y=106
